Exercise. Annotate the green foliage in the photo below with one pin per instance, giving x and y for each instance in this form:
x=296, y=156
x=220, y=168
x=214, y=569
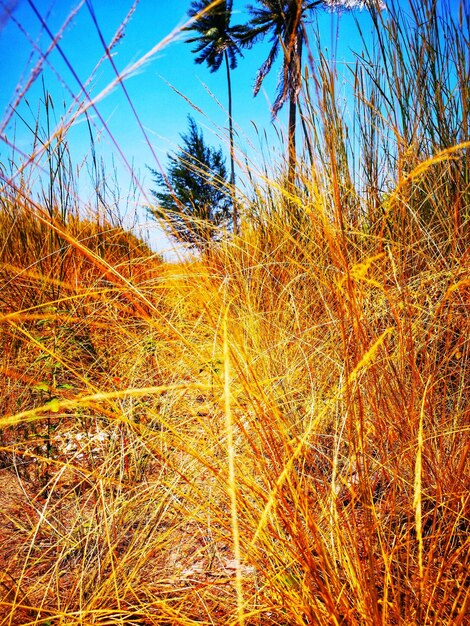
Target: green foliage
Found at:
x=193, y=198
x=214, y=37
x=284, y=21
x=217, y=41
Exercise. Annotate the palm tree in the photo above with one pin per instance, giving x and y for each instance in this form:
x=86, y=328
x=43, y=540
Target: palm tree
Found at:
x=285, y=21
x=217, y=42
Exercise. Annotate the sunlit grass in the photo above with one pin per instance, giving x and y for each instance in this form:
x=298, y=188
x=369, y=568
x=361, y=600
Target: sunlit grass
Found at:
x=275, y=432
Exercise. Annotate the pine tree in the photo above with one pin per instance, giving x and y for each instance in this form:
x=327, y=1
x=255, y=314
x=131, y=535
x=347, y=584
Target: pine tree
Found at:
x=193, y=198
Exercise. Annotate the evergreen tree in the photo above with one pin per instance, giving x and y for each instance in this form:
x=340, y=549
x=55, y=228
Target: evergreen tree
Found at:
x=193, y=198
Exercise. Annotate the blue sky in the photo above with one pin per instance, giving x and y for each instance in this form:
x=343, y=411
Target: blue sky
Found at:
x=153, y=88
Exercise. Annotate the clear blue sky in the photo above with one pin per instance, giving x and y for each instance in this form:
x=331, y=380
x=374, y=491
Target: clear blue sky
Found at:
x=161, y=111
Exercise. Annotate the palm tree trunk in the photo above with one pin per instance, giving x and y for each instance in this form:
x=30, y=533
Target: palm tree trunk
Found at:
x=291, y=143
x=296, y=77
x=232, y=159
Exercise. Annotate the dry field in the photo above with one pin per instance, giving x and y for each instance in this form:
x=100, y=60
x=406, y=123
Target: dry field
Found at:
x=275, y=432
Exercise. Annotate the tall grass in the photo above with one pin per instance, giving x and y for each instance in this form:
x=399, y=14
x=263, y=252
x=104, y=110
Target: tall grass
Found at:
x=275, y=433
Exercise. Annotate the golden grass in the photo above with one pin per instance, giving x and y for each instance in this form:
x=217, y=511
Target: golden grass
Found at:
x=285, y=442
x=274, y=433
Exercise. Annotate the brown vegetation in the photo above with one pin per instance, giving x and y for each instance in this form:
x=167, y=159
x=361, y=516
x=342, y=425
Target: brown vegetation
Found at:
x=275, y=433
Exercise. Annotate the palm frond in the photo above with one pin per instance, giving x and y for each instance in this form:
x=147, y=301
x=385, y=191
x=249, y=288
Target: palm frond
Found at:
x=266, y=67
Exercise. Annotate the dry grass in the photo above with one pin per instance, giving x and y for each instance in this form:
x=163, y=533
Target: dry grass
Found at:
x=276, y=433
